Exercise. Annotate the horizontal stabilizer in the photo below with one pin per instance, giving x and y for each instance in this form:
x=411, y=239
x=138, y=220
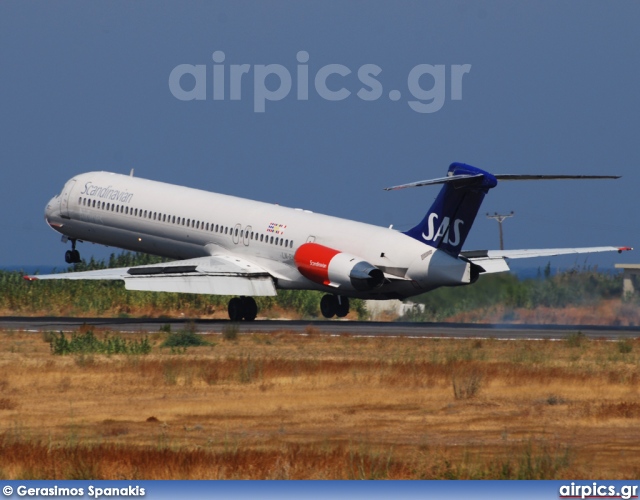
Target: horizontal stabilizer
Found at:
x=455, y=179
x=459, y=180
x=552, y=177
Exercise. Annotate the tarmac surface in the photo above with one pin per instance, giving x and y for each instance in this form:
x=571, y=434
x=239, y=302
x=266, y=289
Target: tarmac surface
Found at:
x=356, y=328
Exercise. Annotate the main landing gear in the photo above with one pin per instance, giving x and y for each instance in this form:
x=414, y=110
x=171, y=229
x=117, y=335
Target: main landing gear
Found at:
x=334, y=305
x=72, y=256
x=243, y=308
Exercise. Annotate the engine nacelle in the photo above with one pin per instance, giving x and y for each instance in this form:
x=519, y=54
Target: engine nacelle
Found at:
x=331, y=267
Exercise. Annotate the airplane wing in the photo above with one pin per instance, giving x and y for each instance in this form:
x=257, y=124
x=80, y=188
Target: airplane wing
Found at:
x=215, y=275
x=495, y=261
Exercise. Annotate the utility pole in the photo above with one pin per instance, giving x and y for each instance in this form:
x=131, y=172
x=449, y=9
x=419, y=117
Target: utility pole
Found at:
x=500, y=218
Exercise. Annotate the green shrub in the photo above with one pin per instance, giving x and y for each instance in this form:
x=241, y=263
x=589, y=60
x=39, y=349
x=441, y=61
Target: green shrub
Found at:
x=88, y=343
x=187, y=337
x=575, y=339
x=625, y=347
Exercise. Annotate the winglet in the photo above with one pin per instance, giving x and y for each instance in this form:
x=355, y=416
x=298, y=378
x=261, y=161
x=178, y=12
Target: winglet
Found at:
x=624, y=249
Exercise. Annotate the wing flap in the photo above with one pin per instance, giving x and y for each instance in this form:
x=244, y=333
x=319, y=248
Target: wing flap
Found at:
x=251, y=285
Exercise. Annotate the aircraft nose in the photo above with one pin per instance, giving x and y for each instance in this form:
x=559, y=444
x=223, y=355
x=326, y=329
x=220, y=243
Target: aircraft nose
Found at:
x=52, y=209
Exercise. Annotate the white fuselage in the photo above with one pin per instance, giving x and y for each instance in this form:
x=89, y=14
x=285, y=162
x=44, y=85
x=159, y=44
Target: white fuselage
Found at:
x=181, y=223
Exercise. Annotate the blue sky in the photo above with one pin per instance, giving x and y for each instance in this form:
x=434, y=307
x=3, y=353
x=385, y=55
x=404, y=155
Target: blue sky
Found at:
x=552, y=88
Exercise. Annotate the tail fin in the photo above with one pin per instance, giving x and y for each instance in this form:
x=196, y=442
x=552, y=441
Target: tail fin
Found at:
x=449, y=220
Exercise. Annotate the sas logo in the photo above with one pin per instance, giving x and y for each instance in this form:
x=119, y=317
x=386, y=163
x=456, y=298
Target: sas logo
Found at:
x=433, y=235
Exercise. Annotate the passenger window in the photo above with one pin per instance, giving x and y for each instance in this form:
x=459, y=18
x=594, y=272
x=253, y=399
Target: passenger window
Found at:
x=94, y=204
x=241, y=233
x=271, y=240
x=262, y=237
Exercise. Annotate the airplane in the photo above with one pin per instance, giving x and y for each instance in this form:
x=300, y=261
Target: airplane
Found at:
x=225, y=245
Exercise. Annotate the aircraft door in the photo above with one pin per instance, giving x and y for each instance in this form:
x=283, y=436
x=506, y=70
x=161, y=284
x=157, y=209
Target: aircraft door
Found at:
x=66, y=195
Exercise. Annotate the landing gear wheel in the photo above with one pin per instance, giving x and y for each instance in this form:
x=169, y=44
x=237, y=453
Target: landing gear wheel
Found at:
x=72, y=256
x=342, y=308
x=328, y=306
x=235, y=309
x=249, y=308
x=242, y=308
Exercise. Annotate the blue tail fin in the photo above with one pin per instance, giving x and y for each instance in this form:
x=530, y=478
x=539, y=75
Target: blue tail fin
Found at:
x=451, y=216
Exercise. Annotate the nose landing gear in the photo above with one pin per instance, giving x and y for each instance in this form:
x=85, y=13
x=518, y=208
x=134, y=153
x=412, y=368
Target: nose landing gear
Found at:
x=72, y=256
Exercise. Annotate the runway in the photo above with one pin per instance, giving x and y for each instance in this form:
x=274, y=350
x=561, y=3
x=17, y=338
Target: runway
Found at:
x=356, y=328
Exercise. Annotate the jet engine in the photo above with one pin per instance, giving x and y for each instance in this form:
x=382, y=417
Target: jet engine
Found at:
x=331, y=267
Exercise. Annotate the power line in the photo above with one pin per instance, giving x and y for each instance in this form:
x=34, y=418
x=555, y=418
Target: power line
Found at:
x=500, y=218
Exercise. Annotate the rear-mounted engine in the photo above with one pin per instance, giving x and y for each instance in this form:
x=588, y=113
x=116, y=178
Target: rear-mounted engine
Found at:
x=331, y=267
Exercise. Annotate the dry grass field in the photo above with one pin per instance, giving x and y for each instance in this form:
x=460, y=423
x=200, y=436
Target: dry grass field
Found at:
x=286, y=406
